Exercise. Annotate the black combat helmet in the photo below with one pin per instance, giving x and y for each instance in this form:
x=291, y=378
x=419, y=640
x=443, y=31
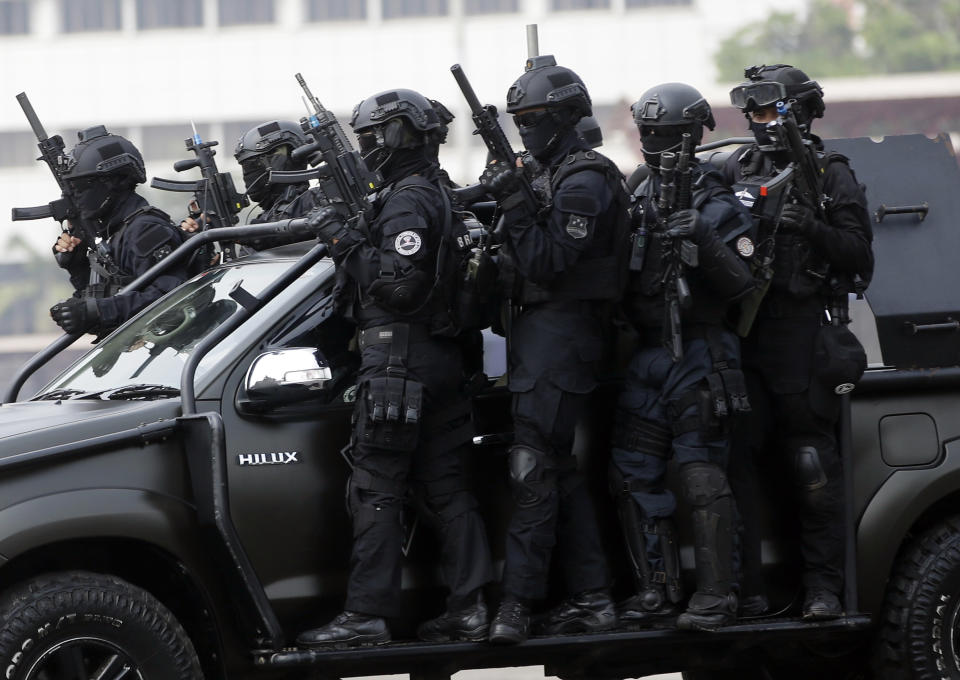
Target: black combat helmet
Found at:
x=101, y=154
x=393, y=120
x=267, y=147
x=544, y=84
x=101, y=171
x=589, y=130
x=664, y=113
x=767, y=85
x=547, y=102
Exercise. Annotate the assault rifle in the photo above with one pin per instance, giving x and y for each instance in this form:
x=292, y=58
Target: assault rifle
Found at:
x=53, y=153
x=344, y=177
x=488, y=127
x=218, y=199
x=675, y=176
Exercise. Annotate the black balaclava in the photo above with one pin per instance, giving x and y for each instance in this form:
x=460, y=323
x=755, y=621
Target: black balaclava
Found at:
x=761, y=134
x=551, y=134
x=654, y=145
x=255, y=173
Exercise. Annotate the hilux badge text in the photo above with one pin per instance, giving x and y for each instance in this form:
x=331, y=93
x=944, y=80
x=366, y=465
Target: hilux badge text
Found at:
x=277, y=458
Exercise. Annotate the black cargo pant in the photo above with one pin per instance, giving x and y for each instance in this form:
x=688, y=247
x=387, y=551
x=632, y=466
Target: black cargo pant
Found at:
x=788, y=422
x=552, y=373
x=432, y=468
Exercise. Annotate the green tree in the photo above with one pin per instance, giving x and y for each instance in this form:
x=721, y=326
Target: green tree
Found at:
x=912, y=35
x=897, y=36
x=821, y=43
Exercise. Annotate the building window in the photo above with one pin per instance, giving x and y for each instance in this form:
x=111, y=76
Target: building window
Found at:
x=234, y=12
x=559, y=5
x=90, y=15
x=167, y=142
x=169, y=13
x=13, y=17
x=336, y=10
x=659, y=3
x=397, y=9
x=17, y=148
x=491, y=6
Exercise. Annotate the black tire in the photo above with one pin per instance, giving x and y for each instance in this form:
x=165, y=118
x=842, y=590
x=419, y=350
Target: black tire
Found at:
x=920, y=636
x=83, y=625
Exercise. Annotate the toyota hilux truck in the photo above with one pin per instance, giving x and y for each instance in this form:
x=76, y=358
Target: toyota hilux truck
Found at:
x=172, y=504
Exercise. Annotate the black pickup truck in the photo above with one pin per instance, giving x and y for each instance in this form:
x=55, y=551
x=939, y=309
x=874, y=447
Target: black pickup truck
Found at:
x=171, y=505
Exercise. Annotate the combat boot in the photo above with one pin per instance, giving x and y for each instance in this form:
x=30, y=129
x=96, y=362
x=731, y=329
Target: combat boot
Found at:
x=821, y=604
x=511, y=625
x=469, y=623
x=646, y=608
x=715, y=602
x=349, y=629
x=586, y=612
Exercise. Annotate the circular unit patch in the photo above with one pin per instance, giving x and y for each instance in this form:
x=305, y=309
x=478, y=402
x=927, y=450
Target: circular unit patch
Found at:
x=745, y=246
x=408, y=242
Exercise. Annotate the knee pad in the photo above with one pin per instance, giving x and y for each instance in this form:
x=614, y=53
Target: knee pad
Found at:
x=703, y=483
x=808, y=469
x=531, y=481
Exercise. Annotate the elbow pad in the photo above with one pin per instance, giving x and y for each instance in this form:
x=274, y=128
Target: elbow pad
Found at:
x=726, y=271
x=402, y=295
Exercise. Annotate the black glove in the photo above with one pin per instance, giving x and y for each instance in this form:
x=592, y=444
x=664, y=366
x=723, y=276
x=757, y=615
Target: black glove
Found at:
x=76, y=315
x=686, y=224
x=499, y=179
x=796, y=218
x=327, y=223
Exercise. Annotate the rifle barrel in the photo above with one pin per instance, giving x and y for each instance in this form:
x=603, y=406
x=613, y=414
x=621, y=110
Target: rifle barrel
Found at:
x=32, y=117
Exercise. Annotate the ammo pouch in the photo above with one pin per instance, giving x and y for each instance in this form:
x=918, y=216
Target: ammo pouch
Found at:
x=392, y=409
x=727, y=389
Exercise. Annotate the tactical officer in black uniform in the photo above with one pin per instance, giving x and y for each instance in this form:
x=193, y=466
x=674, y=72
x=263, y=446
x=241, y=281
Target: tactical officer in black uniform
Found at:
x=411, y=418
x=680, y=389
x=815, y=265
x=562, y=269
x=265, y=147
x=102, y=171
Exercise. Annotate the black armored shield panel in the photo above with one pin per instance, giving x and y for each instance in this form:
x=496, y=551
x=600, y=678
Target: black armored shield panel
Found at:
x=913, y=194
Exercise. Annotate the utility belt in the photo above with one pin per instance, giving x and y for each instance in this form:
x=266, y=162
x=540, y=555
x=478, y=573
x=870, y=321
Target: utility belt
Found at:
x=390, y=407
x=722, y=394
x=585, y=307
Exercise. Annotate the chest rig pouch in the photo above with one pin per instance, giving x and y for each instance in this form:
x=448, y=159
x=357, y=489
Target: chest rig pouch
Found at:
x=786, y=261
x=390, y=409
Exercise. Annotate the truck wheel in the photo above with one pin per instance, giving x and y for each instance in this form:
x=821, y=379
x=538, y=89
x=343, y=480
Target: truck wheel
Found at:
x=82, y=625
x=920, y=636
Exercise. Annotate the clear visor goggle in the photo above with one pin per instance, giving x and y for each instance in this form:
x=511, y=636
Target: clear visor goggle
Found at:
x=749, y=96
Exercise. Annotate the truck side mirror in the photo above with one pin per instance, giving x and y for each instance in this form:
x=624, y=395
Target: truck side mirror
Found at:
x=283, y=376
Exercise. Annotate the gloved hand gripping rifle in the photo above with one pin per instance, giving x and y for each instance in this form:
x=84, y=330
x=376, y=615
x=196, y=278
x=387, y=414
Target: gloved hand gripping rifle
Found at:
x=680, y=253
x=53, y=153
x=344, y=178
x=218, y=199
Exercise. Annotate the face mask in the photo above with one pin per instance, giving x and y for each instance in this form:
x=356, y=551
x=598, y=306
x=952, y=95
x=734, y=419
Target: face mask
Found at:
x=255, y=174
x=654, y=145
x=540, y=139
x=93, y=198
x=761, y=134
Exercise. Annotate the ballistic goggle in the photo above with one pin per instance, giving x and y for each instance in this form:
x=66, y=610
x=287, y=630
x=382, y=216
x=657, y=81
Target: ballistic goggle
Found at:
x=749, y=96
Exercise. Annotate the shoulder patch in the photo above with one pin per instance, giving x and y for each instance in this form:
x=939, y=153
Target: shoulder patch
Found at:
x=149, y=237
x=577, y=226
x=407, y=243
x=578, y=202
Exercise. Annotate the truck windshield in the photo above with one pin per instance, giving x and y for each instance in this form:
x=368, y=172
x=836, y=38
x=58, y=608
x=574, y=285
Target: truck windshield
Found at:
x=152, y=348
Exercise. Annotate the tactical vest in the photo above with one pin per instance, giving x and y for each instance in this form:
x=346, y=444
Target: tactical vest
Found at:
x=442, y=307
x=602, y=274
x=644, y=302
x=798, y=271
x=107, y=278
